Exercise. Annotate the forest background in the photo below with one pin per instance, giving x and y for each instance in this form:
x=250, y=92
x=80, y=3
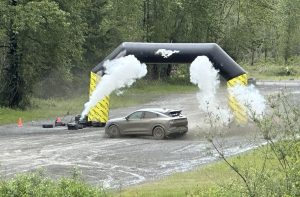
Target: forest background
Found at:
x=48, y=47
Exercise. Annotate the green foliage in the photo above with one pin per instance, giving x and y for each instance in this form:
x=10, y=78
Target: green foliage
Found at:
x=273, y=70
x=46, y=41
x=276, y=173
x=96, y=43
x=51, y=41
x=290, y=25
x=59, y=41
x=37, y=184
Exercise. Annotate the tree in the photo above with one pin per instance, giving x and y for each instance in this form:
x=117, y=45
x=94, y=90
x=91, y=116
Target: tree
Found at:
x=41, y=39
x=249, y=28
x=290, y=10
x=45, y=43
x=12, y=90
x=94, y=13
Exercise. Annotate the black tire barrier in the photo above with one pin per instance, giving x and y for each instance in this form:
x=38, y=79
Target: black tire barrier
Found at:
x=84, y=123
x=60, y=124
x=47, y=126
x=89, y=123
x=98, y=124
x=72, y=126
x=77, y=118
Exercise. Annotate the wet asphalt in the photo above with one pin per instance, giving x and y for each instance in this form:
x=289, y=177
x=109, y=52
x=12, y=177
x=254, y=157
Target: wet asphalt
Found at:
x=117, y=163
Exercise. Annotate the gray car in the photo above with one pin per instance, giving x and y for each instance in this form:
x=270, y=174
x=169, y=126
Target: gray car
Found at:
x=152, y=121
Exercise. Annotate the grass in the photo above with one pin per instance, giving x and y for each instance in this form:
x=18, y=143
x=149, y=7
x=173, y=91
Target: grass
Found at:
x=206, y=180
x=43, y=109
x=273, y=71
x=145, y=91
x=182, y=184
x=141, y=92
x=215, y=179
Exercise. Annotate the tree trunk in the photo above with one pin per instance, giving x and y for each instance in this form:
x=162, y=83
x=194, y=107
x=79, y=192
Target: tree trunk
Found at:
x=252, y=54
x=237, y=50
x=265, y=51
x=146, y=21
x=12, y=94
x=154, y=72
x=168, y=70
x=287, y=49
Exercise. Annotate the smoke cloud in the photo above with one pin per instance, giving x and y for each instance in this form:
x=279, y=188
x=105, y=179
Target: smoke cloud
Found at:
x=203, y=74
x=119, y=73
x=251, y=98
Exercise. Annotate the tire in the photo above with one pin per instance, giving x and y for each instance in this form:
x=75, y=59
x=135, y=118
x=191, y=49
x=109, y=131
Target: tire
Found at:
x=47, y=125
x=181, y=134
x=113, y=131
x=159, y=133
x=96, y=124
x=60, y=124
x=72, y=126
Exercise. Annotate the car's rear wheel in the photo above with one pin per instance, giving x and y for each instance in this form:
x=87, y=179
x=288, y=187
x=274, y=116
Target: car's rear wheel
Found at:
x=159, y=133
x=113, y=131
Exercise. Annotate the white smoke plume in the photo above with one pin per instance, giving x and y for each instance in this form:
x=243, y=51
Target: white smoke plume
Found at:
x=119, y=73
x=250, y=97
x=203, y=74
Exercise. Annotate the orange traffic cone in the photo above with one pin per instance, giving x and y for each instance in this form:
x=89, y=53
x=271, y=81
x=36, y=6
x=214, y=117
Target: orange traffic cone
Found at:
x=20, y=123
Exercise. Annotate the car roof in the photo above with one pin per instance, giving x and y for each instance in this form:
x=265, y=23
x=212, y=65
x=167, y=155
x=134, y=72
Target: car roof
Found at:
x=159, y=110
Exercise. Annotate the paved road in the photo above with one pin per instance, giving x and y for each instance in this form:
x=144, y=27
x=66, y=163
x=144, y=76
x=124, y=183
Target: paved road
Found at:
x=129, y=160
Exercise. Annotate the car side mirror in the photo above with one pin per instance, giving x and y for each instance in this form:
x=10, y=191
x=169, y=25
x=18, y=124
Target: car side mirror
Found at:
x=127, y=118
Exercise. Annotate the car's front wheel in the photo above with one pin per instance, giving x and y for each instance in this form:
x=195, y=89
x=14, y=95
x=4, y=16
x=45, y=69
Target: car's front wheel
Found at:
x=113, y=131
x=159, y=133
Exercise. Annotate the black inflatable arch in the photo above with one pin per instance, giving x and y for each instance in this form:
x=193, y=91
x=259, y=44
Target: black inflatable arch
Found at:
x=183, y=53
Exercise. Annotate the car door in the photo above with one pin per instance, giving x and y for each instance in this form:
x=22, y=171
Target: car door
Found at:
x=134, y=124
x=149, y=120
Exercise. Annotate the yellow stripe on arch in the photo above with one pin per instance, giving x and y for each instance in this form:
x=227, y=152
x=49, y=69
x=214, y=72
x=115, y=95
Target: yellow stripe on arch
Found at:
x=100, y=112
x=239, y=110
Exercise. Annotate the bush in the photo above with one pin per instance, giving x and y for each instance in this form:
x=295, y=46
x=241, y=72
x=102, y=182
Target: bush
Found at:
x=36, y=184
x=277, y=171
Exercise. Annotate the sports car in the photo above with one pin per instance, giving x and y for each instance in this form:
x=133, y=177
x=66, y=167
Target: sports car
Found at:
x=158, y=122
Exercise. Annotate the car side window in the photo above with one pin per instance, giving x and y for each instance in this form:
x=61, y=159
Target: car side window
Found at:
x=136, y=115
x=149, y=115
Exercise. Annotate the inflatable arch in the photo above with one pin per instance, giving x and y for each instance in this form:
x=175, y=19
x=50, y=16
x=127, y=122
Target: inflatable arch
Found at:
x=172, y=53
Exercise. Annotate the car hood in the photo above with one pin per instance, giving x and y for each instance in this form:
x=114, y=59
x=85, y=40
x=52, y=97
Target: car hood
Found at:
x=116, y=119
